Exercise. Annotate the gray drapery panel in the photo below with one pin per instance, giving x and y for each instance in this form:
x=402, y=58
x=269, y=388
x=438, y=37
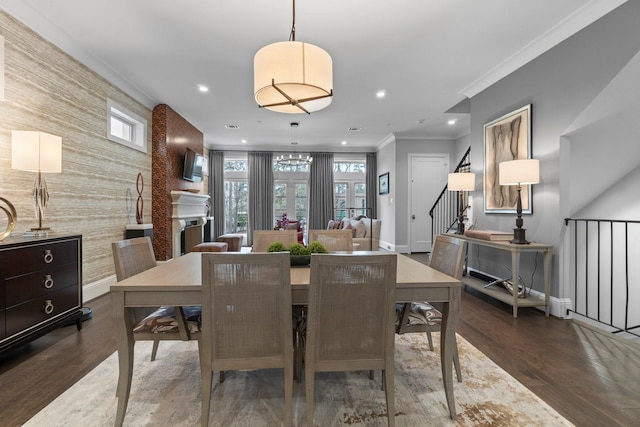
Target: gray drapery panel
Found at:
x=260, y=193
x=216, y=190
x=371, y=182
x=321, y=191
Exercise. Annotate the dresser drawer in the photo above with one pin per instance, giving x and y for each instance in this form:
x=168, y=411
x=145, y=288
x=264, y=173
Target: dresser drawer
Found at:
x=41, y=309
x=23, y=288
x=28, y=259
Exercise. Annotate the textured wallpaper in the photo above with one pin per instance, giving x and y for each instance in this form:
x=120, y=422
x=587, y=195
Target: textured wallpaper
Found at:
x=47, y=90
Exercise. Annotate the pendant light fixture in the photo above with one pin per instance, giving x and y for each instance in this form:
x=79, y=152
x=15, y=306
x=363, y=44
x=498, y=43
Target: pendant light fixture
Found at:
x=293, y=77
x=294, y=159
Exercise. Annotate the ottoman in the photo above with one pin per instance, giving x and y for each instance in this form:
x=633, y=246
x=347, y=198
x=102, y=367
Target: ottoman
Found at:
x=210, y=247
x=233, y=240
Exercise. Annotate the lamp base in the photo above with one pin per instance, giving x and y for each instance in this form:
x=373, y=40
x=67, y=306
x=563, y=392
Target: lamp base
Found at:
x=518, y=237
x=37, y=232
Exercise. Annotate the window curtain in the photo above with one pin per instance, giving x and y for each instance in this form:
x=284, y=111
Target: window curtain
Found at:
x=371, y=182
x=216, y=190
x=321, y=191
x=260, y=193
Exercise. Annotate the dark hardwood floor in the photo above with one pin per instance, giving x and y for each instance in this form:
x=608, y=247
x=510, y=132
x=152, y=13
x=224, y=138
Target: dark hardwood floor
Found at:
x=589, y=377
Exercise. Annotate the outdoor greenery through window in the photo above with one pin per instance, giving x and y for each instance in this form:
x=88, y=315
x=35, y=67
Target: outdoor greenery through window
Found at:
x=236, y=196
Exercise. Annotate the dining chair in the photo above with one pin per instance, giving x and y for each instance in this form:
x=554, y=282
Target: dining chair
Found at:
x=333, y=240
x=133, y=256
x=350, y=322
x=447, y=256
x=246, y=319
x=263, y=238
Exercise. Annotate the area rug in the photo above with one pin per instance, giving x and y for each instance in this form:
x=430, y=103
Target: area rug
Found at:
x=166, y=392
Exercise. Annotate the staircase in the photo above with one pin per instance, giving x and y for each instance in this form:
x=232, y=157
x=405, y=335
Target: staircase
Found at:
x=444, y=213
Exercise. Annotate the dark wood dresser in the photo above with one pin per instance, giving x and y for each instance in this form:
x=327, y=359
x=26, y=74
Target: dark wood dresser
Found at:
x=40, y=287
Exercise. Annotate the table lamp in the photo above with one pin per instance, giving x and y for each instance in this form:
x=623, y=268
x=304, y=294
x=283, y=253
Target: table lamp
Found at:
x=461, y=182
x=37, y=152
x=519, y=173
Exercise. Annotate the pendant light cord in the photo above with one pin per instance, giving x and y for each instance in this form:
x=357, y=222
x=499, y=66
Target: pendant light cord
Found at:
x=292, y=36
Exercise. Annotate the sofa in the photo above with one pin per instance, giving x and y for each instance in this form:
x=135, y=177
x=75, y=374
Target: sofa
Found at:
x=366, y=231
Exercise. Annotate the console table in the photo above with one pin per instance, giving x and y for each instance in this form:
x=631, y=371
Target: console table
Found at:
x=40, y=287
x=503, y=295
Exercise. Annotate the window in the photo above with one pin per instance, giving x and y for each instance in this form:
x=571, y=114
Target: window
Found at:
x=125, y=127
x=236, y=195
x=349, y=187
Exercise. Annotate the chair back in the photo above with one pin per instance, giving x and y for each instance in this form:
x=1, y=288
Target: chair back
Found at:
x=246, y=310
x=351, y=312
x=132, y=256
x=263, y=238
x=333, y=240
x=447, y=255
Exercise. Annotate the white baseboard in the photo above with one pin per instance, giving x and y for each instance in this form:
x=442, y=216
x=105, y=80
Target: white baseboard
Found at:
x=98, y=288
x=402, y=249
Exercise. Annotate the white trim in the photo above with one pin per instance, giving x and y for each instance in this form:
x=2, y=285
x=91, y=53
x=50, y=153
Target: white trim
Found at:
x=98, y=288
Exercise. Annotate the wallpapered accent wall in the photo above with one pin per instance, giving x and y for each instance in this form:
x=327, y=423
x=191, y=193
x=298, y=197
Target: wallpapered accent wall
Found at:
x=47, y=90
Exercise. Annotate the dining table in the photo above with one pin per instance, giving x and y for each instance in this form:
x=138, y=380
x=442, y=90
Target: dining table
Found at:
x=177, y=282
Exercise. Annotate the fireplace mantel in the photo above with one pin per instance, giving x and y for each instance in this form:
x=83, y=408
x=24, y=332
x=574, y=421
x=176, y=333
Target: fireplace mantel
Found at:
x=187, y=207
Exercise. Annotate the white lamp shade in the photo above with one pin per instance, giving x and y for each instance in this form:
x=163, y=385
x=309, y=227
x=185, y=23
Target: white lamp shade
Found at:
x=518, y=172
x=36, y=151
x=301, y=70
x=462, y=181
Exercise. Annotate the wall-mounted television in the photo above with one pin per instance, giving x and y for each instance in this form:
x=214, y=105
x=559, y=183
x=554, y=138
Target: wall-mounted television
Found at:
x=192, y=170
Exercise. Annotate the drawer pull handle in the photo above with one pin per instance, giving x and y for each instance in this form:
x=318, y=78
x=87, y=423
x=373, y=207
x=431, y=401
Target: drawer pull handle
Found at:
x=48, y=281
x=48, y=256
x=48, y=307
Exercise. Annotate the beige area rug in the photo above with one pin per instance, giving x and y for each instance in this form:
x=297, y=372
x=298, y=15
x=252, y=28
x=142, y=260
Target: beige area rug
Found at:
x=166, y=392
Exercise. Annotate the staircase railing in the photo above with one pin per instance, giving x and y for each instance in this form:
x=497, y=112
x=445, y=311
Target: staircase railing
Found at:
x=444, y=212
x=606, y=272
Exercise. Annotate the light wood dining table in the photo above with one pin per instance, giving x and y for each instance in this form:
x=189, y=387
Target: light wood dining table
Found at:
x=178, y=283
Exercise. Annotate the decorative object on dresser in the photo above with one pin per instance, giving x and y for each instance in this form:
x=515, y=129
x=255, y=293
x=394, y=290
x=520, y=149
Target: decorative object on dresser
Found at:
x=493, y=235
x=518, y=173
x=40, y=285
x=37, y=152
x=139, y=201
x=461, y=182
x=12, y=218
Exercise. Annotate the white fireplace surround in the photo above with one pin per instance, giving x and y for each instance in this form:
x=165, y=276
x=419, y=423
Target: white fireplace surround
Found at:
x=187, y=207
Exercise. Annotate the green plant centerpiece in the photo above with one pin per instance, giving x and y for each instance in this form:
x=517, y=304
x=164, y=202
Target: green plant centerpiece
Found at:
x=300, y=254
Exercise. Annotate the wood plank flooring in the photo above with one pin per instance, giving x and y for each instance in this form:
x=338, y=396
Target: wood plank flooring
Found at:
x=589, y=377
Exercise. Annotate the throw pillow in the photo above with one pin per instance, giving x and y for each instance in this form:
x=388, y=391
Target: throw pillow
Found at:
x=360, y=230
x=347, y=226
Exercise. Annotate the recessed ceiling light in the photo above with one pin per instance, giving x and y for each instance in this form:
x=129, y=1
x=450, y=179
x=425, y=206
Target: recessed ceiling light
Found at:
x=354, y=129
x=380, y=94
x=228, y=126
x=452, y=122
x=203, y=88
x=344, y=143
x=244, y=141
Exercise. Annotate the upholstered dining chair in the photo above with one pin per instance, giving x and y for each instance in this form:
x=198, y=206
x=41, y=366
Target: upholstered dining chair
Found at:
x=246, y=319
x=263, y=238
x=333, y=240
x=351, y=317
x=447, y=256
x=133, y=256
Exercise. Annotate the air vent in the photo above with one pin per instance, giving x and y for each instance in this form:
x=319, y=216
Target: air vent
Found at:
x=232, y=126
x=355, y=129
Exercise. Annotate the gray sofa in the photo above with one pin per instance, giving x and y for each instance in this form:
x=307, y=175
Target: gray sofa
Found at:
x=366, y=231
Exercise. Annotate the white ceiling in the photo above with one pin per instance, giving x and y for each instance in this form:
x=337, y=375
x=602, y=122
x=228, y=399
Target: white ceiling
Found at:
x=428, y=55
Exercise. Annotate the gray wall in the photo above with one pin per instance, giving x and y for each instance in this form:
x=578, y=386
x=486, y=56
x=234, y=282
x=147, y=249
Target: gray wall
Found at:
x=560, y=85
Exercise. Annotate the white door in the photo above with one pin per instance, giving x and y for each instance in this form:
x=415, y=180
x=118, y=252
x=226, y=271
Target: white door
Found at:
x=428, y=176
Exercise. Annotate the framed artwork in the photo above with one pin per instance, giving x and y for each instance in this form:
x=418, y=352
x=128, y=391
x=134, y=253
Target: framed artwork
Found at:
x=383, y=183
x=506, y=138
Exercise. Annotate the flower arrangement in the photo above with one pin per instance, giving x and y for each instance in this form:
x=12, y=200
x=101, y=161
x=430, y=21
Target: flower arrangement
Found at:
x=284, y=221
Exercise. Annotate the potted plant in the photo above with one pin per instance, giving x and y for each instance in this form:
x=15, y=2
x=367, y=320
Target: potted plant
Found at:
x=300, y=254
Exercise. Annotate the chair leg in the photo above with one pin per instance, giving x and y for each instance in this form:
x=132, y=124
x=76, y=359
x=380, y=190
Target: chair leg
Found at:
x=288, y=395
x=456, y=363
x=221, y=377
x=430, y=339
x=389, y=389
x=154, y=350
x=309, y=378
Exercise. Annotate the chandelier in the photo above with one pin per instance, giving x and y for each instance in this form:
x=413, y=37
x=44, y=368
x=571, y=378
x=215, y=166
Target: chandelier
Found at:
x=293, y=77
x=294, y=159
